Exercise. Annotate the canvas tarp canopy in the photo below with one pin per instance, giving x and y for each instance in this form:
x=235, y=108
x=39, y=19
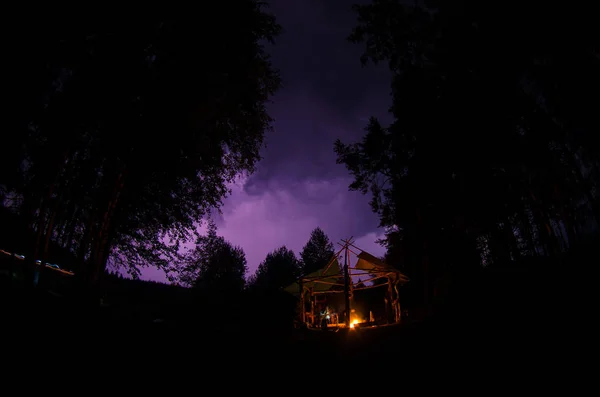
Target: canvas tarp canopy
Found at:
x=371, y=263
x=321, y=280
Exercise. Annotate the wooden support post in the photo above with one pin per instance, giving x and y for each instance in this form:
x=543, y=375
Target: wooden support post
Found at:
x=302, y=304
x=312, y=307
x=387, y=308
x=350, y=282
x=398, y=307
x=391, y=303
x=347, y=286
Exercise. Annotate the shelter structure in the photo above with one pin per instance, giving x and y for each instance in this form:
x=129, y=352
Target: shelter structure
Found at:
x=328, y=297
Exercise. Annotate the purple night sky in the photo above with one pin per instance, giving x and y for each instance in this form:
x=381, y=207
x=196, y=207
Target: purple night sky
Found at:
x=326, y=95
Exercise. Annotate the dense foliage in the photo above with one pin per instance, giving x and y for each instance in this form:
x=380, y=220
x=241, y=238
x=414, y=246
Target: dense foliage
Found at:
x=317, y=252
x=493, y=154
x=121, y=133
x=279, y=269
x=214, y=265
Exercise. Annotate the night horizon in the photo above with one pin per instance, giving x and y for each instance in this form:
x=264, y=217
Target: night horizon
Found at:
x=305, y=183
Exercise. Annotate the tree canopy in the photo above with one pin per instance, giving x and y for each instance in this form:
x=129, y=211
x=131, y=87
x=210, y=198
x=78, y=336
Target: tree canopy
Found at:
x=482, y=96
x=317, y=252
x=214, y=265
x=279, y=269
x=126, y=131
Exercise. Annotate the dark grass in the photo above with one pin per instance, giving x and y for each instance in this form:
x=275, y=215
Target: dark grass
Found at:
x=513, y=323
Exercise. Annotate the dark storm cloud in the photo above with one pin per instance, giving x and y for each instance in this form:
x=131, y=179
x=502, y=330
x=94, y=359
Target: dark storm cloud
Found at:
x=327, y=94
x=285, y=214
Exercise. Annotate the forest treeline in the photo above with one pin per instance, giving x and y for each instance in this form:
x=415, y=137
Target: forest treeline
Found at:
x=122, y=134
x=493, y=155
x=213, y=282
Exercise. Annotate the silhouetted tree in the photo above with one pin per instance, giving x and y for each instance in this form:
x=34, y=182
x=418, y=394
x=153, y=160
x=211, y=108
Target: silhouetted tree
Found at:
x=125, y=132
x=317, y=252
x=359, y=284
x=267, y=304
x=279, y=269
x=485, y=162
x=214, y=265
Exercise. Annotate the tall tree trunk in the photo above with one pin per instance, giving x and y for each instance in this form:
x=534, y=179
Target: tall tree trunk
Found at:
x=44, y=255
x=41, y=227
x=526, y=232
x=102, y=248
x=542, y=221
x=55, y=210
x=582, y=181
x=83, y=248
x=561, y=236
x=61, y=231
x=425, y=258
x=499, y=246
x=68, y=243
x=553, y=239
x=567, y=220
x=513, y=243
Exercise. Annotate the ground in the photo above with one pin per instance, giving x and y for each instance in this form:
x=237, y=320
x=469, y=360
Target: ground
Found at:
x=514, y=333
x=67, y=326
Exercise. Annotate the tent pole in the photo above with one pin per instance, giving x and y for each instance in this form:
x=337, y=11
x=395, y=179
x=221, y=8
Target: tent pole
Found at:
x=398, y=307
x=337, y=254
x=350, y=280
x=392, y=302
x=312, y=307
x=302, y=304
x=347, y=285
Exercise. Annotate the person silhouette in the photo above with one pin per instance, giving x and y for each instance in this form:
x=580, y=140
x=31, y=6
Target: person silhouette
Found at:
x=324, y=323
